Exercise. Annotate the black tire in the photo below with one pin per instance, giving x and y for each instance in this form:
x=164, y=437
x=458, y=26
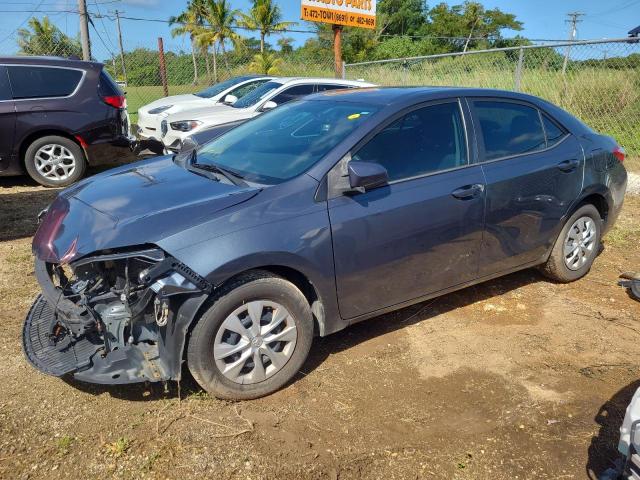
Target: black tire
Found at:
x=555, y=268
x=78, y=158
x=256, y=285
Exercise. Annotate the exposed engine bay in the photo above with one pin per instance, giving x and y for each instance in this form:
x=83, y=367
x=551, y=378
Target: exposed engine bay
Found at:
x=112, y=317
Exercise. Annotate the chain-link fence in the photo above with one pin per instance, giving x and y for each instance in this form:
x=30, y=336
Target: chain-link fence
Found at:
x=190, y=72
x=598, y=81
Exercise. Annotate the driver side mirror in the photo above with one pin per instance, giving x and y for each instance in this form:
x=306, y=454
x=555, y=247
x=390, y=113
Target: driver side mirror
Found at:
x=364, y=176
x=270, y=105
x=230, y=99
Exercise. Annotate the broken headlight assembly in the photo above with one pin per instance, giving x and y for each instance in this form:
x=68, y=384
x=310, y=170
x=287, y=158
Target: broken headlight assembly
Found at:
x=105, y=316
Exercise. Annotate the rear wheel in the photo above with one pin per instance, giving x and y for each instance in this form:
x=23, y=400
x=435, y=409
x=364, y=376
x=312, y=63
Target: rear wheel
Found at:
x=576, y=247
x=55, y=161
x=253, y=339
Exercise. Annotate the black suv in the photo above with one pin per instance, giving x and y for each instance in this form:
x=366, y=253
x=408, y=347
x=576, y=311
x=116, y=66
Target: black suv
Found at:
x=57, y=116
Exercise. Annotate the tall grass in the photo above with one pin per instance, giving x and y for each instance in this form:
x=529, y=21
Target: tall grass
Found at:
x=607, y=100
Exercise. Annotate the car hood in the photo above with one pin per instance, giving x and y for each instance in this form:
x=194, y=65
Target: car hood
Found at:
x=173, y=99
x=210, y=115
x=138, y=204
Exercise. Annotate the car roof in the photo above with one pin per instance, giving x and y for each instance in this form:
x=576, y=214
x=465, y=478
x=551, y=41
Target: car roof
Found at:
x=326, y=80
x=48, y=61
x=394, y=95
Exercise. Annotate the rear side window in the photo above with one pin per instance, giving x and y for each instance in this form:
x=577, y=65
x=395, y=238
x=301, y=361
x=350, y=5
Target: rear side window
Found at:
x=107, y=86
x=293, y=93
x=247, y=88
x=554, y=132
x=427, y=140
x=5, y=88
x=323, y=87
x=509, y=128
x=43, y=82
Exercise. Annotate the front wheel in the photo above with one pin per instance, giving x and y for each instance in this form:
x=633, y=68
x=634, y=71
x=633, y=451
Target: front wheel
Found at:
x=576, y=247
x=253, y=339
x=55, y=161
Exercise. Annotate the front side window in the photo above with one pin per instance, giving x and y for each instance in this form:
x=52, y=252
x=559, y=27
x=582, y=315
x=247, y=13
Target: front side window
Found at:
x=427, y=140
x=43, y=82
x=509, y=128
x=293, y=93
x=286, y=141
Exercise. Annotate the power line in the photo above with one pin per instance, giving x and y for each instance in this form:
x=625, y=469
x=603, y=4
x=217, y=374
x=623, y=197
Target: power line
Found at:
x=21, y=24
x=104, y=26
x=100, y=37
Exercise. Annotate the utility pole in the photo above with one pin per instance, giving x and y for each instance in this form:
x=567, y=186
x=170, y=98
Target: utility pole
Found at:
x=573, y=33
x=337, y=49
x=163, y=67
x=84, y=30
x=124, y=68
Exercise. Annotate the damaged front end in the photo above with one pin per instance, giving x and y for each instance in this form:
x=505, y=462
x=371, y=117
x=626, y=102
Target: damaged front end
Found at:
x=113, y=317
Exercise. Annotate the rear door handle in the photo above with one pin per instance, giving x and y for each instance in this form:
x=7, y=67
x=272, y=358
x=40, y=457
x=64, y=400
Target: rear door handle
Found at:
x=568, y=165
x=468, y=191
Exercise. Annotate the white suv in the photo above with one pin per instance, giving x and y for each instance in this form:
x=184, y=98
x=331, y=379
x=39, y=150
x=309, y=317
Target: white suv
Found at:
x=216, y=96
x=176, y=127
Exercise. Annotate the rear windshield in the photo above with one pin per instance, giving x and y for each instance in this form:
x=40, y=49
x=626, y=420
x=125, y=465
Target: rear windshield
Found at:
x=43, y=82
x=218, y=88
x=258, y=94
x=107, y=85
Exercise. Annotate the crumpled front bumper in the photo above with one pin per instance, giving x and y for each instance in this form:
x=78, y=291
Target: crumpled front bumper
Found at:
x=83, y=357
x=157, y=358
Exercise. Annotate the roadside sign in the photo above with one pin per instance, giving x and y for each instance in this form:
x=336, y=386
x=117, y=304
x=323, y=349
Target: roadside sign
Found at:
x=352, y=13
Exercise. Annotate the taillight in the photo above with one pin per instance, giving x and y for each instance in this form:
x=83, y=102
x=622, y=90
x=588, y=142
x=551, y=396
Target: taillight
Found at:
x=116, y=101
x=619, y=153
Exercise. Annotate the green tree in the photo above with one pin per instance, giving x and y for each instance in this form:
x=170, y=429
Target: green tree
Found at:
x=266, y=17
x=478, y=27
x=266, y=63
x=401, y=17
x=220, y=20
x=44, y=38
x=286, y=45
x=188, y=23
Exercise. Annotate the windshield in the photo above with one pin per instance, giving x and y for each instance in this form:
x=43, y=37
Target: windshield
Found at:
x=218, y=88
x=286, y=141
x=258, y=94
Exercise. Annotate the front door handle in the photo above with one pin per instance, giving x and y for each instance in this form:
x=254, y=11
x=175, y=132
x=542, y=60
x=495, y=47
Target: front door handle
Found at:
x=468, y=191
x=568, y=165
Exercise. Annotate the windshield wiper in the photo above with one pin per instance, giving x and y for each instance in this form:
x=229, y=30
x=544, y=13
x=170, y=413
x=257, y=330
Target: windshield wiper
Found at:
x=210, y=167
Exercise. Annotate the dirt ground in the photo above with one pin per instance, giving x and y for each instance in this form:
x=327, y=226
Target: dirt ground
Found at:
x=513, y=379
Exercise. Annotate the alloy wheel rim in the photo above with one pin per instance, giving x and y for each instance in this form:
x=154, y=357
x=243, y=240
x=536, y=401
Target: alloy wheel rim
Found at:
x=255, y=342
x=579, y=244
x=55, y=162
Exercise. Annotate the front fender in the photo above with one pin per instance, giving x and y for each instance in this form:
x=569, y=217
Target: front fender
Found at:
x=301, y=243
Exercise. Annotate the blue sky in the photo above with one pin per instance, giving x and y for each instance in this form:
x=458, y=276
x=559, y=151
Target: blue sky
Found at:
x=543, y=19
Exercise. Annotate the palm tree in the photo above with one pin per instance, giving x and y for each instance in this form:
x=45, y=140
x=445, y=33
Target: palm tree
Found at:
x=286, y=45
x=264, y=16
x=188, y=23
x=221, y=20
x=44, y=38
x=265, y=63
